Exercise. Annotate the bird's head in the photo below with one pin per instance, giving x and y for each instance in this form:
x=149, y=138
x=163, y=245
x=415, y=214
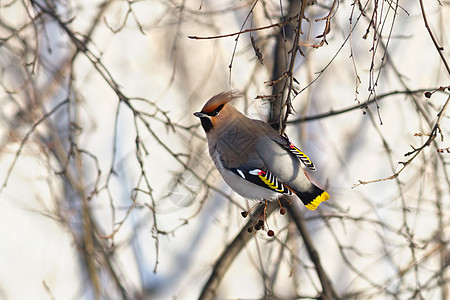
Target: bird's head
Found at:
x=217, y=111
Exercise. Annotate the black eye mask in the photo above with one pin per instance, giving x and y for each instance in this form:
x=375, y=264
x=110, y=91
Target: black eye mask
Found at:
x=216, y=111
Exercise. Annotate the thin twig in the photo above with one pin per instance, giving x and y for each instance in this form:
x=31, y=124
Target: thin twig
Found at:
x=358, y=106
x=194, y=37
x=439, y=49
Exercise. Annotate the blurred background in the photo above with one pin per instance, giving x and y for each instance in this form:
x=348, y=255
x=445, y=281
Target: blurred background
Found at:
x=107, y=190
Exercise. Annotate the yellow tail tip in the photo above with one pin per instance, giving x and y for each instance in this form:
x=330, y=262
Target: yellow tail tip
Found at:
x=319, y=199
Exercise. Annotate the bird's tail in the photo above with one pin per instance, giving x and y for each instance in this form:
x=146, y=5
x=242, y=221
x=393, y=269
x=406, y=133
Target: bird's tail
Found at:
x=313, y=197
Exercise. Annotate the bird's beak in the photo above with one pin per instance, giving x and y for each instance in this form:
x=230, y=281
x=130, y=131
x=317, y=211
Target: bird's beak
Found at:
x=200, y=115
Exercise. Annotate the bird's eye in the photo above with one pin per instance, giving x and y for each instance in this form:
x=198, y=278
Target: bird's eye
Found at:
x=216, y=112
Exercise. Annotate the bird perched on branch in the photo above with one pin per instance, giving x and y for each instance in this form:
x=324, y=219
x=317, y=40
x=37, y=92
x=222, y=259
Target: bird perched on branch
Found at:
x=253, y=159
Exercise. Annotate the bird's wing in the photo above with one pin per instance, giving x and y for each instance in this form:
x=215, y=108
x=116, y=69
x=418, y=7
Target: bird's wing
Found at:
x=298, y=153
x=249, y=166
x=287, y=145
x=262, y=178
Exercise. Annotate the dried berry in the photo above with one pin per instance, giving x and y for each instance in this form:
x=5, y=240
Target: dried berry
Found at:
x=282, y=211
x=270, y=233
x=244, y=214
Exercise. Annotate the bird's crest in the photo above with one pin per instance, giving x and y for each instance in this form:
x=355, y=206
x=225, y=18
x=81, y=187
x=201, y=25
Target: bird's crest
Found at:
x=218, y=100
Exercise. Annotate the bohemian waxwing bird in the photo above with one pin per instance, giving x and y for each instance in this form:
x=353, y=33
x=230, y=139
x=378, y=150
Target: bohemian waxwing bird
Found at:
x=253, y=159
